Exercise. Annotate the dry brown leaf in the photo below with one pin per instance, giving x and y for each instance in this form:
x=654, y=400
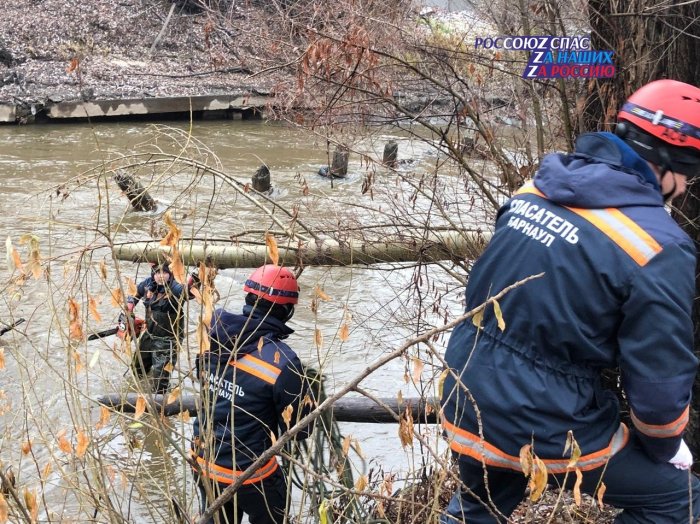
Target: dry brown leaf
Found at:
x=4, y=510
x=169, y=367
x=26, y=447
x=78, y=361
x=103, y=270
x=478, y=318
x=344, y=333
x=140, y=407
x=177, y=267
x=287, y=415
x=276, y=358
x=318, y=338
x=16, y=261
x=538, y=479
x=203, y=340
x=30, y=503
x=131, y=287
x=46, y=471
x=577, y=487
x=82, y=445
x=173, y=236
x=347, y=440
x=499, y=315
x=406, y=428
x=575, y=450
x=92, y=308
x=173, y=396
x=600, y=494
x=361, y=483
x=105, y=415
x=272, y=250
x=117, y=297
x=321, y=294
x=526, y=459
x=273, y=437
x=261, y=342
x=418, y=366
x=185, y=416
x=2, y=358
x=63, y=443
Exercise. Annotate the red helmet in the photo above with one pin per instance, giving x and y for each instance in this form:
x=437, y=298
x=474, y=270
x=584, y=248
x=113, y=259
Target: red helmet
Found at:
x=274, y=283
x=667, y=111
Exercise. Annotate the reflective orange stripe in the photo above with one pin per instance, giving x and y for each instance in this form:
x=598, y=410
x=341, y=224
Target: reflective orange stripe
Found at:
x=466, y=443
x=257, y=367
x=672, y=429
x=229, y=476
x=618, y=227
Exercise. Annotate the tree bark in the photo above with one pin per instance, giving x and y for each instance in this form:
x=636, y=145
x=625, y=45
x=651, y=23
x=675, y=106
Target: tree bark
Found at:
x=651, y=41
x=450, y=245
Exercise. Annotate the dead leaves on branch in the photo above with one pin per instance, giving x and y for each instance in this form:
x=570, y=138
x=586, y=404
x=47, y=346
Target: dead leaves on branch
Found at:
x=14, y=261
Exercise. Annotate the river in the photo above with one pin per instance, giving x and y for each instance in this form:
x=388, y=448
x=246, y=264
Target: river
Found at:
x=49, y=386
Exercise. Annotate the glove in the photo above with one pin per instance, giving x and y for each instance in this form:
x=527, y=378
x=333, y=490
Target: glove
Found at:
x=683, y=459
x=123, y=322
x=194, y=278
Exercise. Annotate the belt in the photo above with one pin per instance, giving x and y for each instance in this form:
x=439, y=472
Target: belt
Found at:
x=229, y=476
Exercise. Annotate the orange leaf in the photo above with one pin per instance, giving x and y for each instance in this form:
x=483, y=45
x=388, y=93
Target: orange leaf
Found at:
x=73, y=65
x=361, y=483
x=46, y=471
x=577, y=487
x=287, y=415
x=177, y=267
x=26, y=447
x=30, y=503
x=2, y=358
x=117, y=297
x=272, y=250
x=4, y=510
x=538, y=479
x=600, y=493
x=92, y=308
x=277, y=357
x=169, y=367
x=418, y=366
x=173, y=395
x=140, y=407
x=103, y=270
x=17, y=261
x=406, y=428
x=83, y=442
x=318, y=338
x=75, y=327
x=321, y=294
x=173, y=235
x=344, y=332
x=131, y=287
x=203, y=338
x=63, y=443
x=346, y=445
x=526, y=459
x=105, y=414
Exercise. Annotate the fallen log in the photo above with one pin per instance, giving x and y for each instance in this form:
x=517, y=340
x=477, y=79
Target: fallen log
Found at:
x=347, y=409
x=447, y=245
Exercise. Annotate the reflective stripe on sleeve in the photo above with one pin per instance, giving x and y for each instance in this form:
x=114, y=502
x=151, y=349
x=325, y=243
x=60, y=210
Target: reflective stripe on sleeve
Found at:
x=229, y=476
x=618, y=227
x=257, y=367
x=466, y=443
x=672, y=429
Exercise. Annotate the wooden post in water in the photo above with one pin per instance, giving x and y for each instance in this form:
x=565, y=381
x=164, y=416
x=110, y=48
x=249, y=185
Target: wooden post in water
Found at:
x=391, y=153
x=346, y=409
x=136, y=193
x=339, y=167
x=261, y=180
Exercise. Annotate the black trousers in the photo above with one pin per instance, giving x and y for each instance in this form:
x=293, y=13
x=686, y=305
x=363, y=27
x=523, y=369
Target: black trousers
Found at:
x=648, y=492
x=152, y=358
x=264, y=502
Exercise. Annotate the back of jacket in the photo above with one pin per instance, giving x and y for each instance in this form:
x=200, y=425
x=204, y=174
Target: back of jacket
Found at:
x=250, y=381
x=616, y=288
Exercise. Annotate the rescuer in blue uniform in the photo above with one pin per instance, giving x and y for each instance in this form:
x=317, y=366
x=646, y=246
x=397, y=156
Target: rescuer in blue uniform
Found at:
x=252, y=387
x=616, y=292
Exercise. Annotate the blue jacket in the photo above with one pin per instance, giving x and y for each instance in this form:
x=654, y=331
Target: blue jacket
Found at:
x=165, y=311
x=246, y=386
x=617, y=290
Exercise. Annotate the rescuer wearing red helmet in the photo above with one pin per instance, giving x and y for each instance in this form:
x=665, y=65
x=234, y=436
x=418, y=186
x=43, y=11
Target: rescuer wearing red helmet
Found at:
x=251, y=380
x=616, y=291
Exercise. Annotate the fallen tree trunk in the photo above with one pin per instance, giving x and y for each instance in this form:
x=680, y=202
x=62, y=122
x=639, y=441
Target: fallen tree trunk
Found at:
x=450, y=245
x=347, y=409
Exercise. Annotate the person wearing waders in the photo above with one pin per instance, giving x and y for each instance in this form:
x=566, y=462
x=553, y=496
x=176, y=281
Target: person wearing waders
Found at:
x=157, y=347
x=253, y=388
x=616, y=291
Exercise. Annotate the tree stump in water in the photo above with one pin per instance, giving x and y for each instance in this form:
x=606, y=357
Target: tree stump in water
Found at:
x=135, y=192
x=391, y=153
x=339, y=167
x=261, y=180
